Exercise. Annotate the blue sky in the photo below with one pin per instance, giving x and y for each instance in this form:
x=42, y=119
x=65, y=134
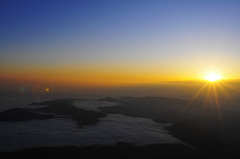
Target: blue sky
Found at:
x=147, y=33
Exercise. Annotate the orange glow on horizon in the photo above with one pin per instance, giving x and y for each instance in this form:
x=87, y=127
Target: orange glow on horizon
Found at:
x=101, y=76
x=88, y=77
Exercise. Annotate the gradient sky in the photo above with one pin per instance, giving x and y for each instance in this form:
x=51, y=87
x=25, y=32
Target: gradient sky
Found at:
x=118, y=42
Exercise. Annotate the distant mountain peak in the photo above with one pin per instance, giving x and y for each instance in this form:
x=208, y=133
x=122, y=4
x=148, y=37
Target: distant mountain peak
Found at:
x=110, y=99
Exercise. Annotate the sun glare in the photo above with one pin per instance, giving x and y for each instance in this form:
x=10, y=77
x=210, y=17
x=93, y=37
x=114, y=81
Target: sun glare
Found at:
x=213, y=77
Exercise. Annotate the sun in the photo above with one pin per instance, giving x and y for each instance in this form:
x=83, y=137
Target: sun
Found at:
x=213, y=77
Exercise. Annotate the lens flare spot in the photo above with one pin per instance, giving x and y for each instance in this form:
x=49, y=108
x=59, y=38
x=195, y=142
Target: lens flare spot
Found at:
x=47, y=89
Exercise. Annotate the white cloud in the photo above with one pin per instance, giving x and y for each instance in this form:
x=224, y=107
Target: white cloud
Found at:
x=64, y=132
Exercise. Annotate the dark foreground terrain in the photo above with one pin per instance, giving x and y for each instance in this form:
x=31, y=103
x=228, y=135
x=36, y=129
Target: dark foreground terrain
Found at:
x=196, y=124
x=120, y=150
x=124, y=150
x=204, y=136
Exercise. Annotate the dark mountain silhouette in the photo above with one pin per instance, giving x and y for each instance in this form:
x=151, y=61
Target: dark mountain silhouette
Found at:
x=157, y=108
x=57, y=101
x=190, y=122
x=110, y=99
x=62, y=108
x=65, y=108
x=19, y=114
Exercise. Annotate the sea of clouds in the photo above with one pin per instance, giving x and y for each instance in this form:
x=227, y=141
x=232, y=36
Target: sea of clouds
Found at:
x=57, y=132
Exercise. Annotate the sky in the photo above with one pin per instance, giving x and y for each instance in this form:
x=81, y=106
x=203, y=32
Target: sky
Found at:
x=115, y=43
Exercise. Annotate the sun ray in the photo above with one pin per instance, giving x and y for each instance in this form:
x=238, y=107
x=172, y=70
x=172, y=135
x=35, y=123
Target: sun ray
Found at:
x=231, y=87
x=229, y=99
x=194, y=97
x=218, y=107
x=214, y=97
x=198, y=93
x=207, y=97
x=224, y=92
